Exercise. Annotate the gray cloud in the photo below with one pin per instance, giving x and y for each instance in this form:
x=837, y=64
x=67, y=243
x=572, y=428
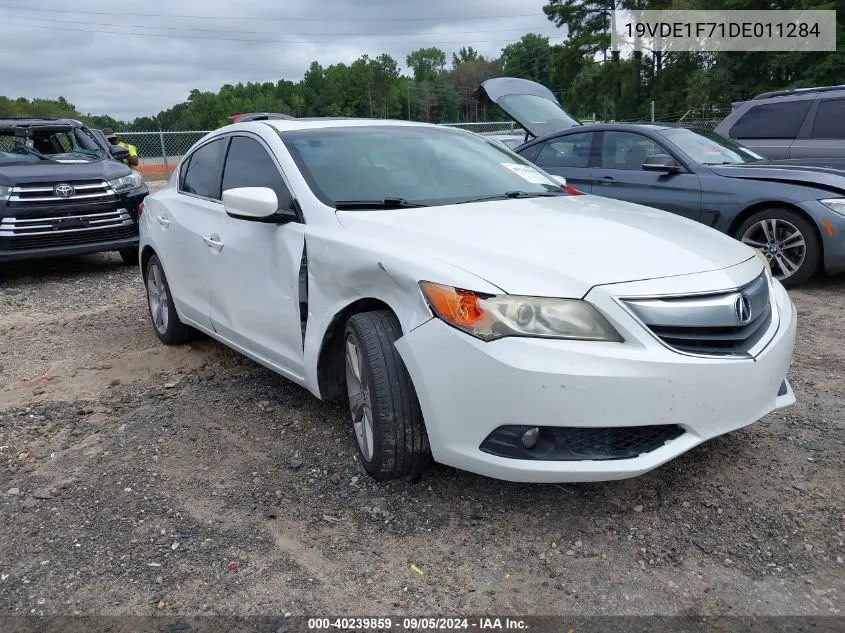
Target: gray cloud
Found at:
x=129, y=66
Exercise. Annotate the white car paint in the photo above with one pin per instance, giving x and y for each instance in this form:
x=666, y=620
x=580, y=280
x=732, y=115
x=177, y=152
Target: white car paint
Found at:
x=238, y=281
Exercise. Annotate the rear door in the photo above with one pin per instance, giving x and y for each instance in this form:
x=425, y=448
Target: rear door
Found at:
x=620, y=175
x=771, y=128
x=572, y=156
x=187, y=221
x=823, y=136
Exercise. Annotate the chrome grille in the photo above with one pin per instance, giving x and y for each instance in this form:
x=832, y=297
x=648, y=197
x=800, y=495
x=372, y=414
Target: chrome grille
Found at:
x=43, y=192
x=65, y=229
x=730, y=323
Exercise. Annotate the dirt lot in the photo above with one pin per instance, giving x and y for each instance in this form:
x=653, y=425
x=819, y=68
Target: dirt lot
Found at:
x=139, y=479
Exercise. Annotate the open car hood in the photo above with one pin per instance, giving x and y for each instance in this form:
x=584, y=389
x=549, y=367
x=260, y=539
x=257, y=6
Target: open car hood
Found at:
x=529, y=104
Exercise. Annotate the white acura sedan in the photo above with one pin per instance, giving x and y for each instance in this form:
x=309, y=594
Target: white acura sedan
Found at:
x=471, y=309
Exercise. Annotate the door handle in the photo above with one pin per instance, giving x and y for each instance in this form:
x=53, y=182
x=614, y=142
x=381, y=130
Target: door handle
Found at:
x=213, y=241
x=607, y=180
x=163, y=220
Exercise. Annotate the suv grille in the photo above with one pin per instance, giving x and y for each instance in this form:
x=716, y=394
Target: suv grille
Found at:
x=720, y=324
x=65, y=229
x=60, y=193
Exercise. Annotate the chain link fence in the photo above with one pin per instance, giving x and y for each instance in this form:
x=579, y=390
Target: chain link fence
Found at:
x=160, y=152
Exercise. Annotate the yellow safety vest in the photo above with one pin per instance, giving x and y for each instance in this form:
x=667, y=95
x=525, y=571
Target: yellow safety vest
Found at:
x=133, y=151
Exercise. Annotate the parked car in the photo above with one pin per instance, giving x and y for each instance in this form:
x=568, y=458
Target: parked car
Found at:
x=802, y=123
x=794, y=214
x=466, y=307
x=63, y=193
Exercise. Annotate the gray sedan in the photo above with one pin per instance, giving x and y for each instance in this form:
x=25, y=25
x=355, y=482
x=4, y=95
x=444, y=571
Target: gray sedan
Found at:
x=794, y=214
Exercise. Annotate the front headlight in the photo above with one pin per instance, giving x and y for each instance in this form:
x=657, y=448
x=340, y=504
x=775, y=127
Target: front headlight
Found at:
x=127, y=182
x=765, y=261
x=837, y=205
x=491, y=317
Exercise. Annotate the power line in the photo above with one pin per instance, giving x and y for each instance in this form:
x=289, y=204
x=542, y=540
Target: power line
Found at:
x=236, y=39
x=190, y=28
x=377, y=18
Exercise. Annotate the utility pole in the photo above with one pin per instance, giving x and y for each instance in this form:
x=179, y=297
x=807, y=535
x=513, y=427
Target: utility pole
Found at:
x=652, y=111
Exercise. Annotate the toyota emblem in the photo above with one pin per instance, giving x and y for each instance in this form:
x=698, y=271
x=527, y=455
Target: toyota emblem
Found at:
x=742, y=309
x=63, y=191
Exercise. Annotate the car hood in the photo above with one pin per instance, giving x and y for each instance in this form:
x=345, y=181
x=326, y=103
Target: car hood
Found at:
x=821, y=177
x=531, y=105
x=50, y=171
x=559, y=247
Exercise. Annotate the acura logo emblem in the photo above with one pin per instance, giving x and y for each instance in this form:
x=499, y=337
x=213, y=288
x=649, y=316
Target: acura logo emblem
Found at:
x=742, y=308
x=63, y=191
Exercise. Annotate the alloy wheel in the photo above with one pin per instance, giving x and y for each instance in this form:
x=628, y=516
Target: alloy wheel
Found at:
x=781, y=242
x=157, y=298
x=358, y=391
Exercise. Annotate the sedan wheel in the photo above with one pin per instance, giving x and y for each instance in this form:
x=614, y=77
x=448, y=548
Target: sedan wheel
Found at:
x=787, y=241
x=168, y=327
x=385, y=411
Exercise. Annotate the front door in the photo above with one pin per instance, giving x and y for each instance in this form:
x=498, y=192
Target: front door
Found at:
x=621, y=176
x=258, y=265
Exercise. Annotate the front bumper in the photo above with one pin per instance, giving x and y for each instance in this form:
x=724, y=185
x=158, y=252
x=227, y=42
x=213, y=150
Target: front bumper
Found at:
x=831, y=227
x=468, y=388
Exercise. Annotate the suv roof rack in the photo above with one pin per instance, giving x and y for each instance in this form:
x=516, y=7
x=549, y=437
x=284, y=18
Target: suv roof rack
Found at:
x=798, y=91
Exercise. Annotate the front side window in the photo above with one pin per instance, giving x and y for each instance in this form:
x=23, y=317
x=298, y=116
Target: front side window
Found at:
x=423, y=165
x=201, y=171
x=573, y=150
x=249, y=165
x=627, y=150
x=771, y=120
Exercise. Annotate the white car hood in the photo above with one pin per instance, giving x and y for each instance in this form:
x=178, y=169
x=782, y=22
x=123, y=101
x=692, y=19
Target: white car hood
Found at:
x=560, y=246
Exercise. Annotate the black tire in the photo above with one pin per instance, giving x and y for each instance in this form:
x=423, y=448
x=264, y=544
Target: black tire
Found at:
x=400, y=443
x=812, y=244
x=129, y=256
x=174, y=332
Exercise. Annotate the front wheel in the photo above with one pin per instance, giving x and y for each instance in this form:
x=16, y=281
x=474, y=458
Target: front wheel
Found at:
x=386, y=415
x=787, y=240
x=129, y=256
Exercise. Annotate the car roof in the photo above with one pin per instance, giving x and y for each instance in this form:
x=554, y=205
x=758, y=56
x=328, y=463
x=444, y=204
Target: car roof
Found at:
x=314, y=123
x=9, y=122
x=602, y=127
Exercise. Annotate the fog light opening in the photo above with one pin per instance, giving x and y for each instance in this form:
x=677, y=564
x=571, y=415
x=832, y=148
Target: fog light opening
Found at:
x=530, y=438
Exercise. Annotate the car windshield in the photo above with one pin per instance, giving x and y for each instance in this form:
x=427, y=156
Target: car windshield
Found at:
x=31, y=145
x=413, y=164
x=710, y=148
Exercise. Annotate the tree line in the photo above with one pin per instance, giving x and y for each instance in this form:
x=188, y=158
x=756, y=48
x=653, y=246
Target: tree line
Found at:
x=588, y=79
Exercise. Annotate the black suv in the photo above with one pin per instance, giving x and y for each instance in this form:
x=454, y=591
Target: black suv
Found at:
x=799, y=124
x=63, y=191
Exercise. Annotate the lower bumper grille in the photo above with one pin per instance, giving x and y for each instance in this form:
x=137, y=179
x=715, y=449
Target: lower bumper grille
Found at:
x=60, y=228
x=67, y=238
x=580, y=443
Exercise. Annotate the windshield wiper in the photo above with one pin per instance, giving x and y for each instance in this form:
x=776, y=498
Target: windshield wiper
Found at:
x=385, y=203
x=510, y=195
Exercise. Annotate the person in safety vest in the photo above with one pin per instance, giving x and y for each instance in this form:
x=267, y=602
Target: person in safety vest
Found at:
x=132, y=161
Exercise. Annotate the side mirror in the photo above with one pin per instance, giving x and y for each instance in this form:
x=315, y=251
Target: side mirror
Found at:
x=119, y=153
x=259, y=204
x=661, y=162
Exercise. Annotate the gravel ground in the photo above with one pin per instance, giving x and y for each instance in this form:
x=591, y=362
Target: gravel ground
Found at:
x=140, y=479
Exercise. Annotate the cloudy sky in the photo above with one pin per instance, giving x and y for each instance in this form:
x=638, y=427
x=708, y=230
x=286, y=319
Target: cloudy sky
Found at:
x=131, y=59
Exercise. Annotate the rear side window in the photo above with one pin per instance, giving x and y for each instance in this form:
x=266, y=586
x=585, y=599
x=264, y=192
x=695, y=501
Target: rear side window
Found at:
x=201, y=171
x=249, y=165
x=771, y=120
x=572, y=150
x=830, y=119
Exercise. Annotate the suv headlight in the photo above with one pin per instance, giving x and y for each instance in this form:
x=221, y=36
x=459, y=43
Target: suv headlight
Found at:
x=837, y=205
x=127, y=182
x=5, y=193
x=491, y=317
